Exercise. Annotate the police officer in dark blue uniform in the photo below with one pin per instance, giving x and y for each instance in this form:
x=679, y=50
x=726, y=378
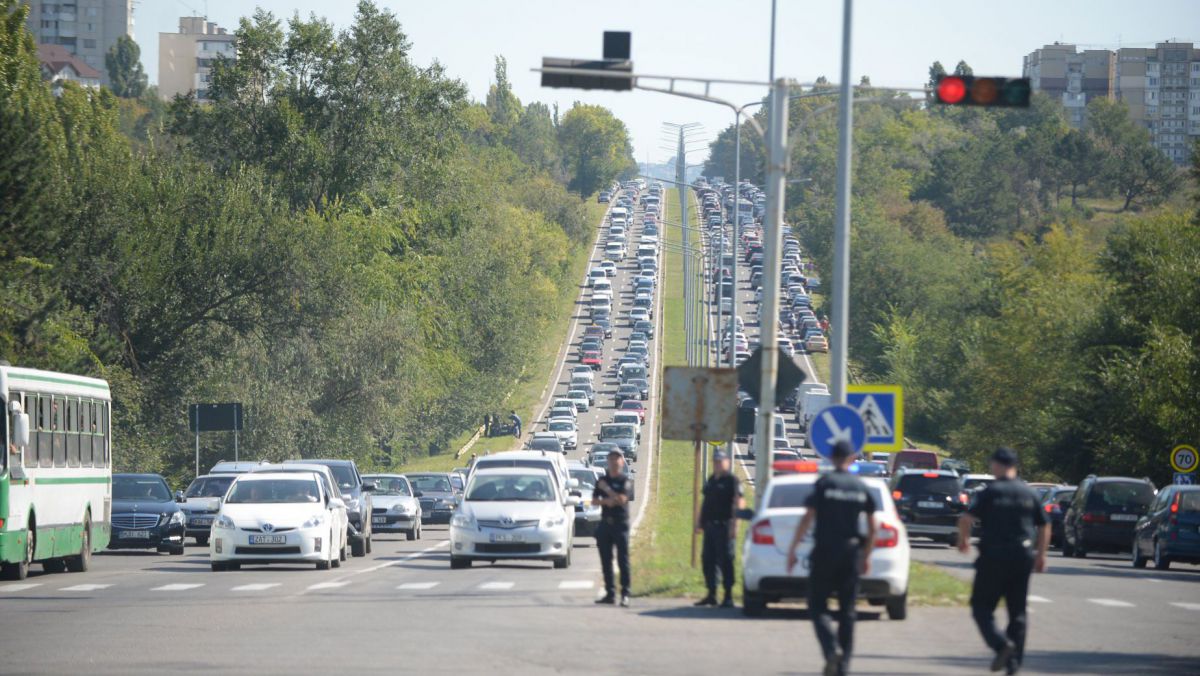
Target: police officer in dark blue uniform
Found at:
x=1013, y=537
x=722, y=499
x=612, y=493
x=841, y=552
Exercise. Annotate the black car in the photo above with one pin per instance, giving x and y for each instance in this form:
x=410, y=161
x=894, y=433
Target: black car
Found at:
x=145, y=515
x=605, y=324
x=628, y=392
x=1055, y=504
x=645, y=326
x=1103, y=513
x=437, y=495
x=357, y=496
x=929, y=503
x=643, y=386
x=1170, y=530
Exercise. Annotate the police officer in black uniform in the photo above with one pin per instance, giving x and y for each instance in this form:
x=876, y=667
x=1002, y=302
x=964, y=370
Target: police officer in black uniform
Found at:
x=612, y=494
x=841, y=552
x=1013, y=537
x=722, y=498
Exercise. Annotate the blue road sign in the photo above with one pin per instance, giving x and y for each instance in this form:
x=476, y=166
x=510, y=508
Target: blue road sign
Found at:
x=834, y=423
x=1184, y=479
x=882, y=410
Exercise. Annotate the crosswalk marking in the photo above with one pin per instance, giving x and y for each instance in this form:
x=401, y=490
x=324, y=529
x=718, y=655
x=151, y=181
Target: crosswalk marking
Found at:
x=576, y=584
x=86, y=587
x=177, y=587
x=327, y=585
x=1111, y=603
x=1185, y=605
x=417, y=586
x=9, y=588
x=261, y=586
x=495, y=586
x=1034, y=598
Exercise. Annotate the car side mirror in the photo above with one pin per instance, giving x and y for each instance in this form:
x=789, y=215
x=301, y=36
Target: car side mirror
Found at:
x=745, y=514
x=337, y=503
x=20, y=430
x=179, y=496
x=418, y=494
x=368, y=487
x=572, y=483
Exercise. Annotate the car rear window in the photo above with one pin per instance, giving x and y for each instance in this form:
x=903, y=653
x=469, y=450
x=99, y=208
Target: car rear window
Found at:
x=794, y=495
x=1120, y=495
x=933, y=485
x=1189, y=501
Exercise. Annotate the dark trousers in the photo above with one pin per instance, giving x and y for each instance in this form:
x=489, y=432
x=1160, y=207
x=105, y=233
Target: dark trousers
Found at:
x=717, y=555
x=834, y=573
x=1004, y=577
x=608, y=536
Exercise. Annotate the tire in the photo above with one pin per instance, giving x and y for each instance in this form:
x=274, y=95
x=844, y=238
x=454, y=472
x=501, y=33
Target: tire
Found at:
x=897, y=607
x=177, y=551
x=1068, y=549
x=412, y=533
x=458, y=562
x=83, y=561
x=1161, y=561
x=202, y=540
x=564, y=562
x=54, y=565
x=753, y=603
x=324, y=565
x=342, y=553
x=368, y=543
x=358, y=547
x=1136, y=558
x=20, y=570
x=233, y=566
x=218, y=567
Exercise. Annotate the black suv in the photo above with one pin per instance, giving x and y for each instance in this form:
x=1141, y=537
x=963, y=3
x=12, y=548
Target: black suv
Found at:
x=145, y=514
x=929, y=503
x=1103, y=513
x=357, y=496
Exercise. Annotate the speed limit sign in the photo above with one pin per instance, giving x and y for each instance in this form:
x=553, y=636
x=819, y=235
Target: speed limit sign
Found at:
x=1184, y=458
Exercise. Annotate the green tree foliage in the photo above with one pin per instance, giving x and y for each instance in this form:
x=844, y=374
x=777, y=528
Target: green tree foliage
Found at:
x=595, y=146
x=961, y=68
x=936, y=72
x=124, y=65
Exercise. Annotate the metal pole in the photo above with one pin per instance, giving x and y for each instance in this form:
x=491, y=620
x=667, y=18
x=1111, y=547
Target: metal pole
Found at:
x=695, y=497
x=737, y=179
x=235, y=446
x=764, y=431
x=841, y=227
x=196, y=424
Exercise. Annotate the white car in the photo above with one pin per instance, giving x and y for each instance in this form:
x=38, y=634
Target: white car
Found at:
x=765, y=577
x=395, y=507
x=639, y=314
x=564, y=410
x=614, y=251
x=594, y=275
x=278, y=517
x=566, y=431
x=582, y=372
x=513, y=513
x=580, y=398
x=609, y=268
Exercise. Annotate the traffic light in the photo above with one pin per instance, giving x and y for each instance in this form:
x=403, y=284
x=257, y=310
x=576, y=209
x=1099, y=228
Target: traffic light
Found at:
x=973, y=90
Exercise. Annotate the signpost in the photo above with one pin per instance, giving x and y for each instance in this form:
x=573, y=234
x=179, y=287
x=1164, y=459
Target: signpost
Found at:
x=835, y=423
x=215, y=418
x=1184, y=459
x=881, y=408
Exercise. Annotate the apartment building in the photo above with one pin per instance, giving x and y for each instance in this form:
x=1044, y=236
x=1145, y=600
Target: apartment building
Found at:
x=185, y=58
x=1073, y=78
x=85, y=28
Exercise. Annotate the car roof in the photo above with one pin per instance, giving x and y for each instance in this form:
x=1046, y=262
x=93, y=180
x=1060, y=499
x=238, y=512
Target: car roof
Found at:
x=263, y=476
x=139, y=475
x=386, y=475
x=293, y=467
x=328, y=462
x=987, y=477
x=486, y=471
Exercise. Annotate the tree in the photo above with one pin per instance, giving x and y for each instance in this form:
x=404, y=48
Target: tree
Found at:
x=503, y=105
x=936, y=72
x=123, y=62
x=595, y=147
x=1132, y=167
x=962, y=69
x=1077, y=159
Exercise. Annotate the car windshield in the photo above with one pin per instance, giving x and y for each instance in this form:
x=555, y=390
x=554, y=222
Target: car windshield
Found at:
x=274, y=491
x=562, y=427
x=1123, y=495
x=586, y=478
x=438, y=483
x=617, y=432
x=511, y=488
x=932, y=485
x=389, y=485
x=344, y=475
x=972, y=484
x=208, y=487
x=140, y=488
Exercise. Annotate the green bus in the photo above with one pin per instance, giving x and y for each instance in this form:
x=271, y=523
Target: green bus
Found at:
x=56, y=472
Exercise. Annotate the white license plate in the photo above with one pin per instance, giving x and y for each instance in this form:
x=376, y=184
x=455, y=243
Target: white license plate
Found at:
x=379, y=519
x=506, y=537
x=202, y=521
x=1124, y=517
x=927, y=504
x=268, y=539
x=134, y=535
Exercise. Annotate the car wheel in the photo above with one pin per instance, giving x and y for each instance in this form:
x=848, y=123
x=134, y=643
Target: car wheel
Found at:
x=1161, y=561
x=457, y=562
x=217, y=566
x=897, y=607
x=753, y=603
x=411, y=533
x=324, y=565
x=368, y=545
x=202, y=540
x=81, y=562
x=1068, y=549
x=564, y=562
x=176, y=551
x=54, y=565
x=1137, y=559
x=342, y=553
x=358, y=547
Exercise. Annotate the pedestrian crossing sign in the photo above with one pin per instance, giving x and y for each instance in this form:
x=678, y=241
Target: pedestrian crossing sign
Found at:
x=882, y=410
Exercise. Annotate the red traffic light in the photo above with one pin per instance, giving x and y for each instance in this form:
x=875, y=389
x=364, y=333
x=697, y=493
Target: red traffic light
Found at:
x=951, y=89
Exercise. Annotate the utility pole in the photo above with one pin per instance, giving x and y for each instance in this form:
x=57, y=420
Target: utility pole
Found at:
x=841, y=226
x=777, y=166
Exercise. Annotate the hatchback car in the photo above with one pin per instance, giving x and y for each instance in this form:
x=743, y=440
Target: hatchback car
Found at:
x=1170, y=530
x=145, y=514
x=397, y=507
x=1103, y=513
x=929, y=503
x=201, y=501
x=513, y=513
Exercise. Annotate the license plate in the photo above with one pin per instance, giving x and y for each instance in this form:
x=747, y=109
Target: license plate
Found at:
x=926, y=504
x=1124, y=517
x=202, y=521
x=506, y=537
x=379, y=519
x=267, y=539
x=134, y=535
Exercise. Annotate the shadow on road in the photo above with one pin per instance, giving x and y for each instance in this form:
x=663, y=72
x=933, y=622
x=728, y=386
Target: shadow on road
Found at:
x=794, y=613
x=1066, y=662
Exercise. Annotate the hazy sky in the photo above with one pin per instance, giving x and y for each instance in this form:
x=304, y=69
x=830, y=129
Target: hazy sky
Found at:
x=894, y=41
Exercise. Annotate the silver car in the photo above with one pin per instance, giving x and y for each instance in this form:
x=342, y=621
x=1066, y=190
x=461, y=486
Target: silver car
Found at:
x=395, y=507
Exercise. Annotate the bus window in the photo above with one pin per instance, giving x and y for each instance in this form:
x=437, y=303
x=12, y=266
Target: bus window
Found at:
x=60, y=432
x=85, y=433
x=104, y=432
x=72, y=431
x=45, y=456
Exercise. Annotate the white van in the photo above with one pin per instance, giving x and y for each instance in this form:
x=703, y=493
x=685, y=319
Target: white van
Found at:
x=812, y=403
x=601, y=286
x=614, y=251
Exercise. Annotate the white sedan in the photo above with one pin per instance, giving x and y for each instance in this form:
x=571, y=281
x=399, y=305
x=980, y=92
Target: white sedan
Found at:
x=512, y=513
x=277, y=517
x=566, y=430
x=395, y=507
x=765, y=577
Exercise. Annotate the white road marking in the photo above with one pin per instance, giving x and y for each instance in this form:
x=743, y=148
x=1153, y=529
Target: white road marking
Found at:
x=10, y=588
x=576, y=584
x=1034, y=598
x=410, y=557
x=1185, y=605
x=259, y=586
x=327, y=585
x=1111, y=603
x=417, y=586
x=86, y=587
x=176, y=587
x=495, y=586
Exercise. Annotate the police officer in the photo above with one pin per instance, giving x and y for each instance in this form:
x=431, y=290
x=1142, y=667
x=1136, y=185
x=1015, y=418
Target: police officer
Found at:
x=1013, y=537
x=612, y=494
x=722, y=499
x=841, y=552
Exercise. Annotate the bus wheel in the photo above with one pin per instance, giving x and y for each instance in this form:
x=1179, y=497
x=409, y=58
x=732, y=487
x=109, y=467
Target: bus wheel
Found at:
x=81, y=563
x=20, y=570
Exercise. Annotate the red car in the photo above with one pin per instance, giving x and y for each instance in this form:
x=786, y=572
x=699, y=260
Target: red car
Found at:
x=634, y=405
x=592, y=358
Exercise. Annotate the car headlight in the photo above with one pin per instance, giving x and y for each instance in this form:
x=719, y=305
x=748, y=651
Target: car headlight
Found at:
x=553, y=522
x=177, y=518
x=399, y=507
x=314, y=521
x=224, y=522
x=446, y=502
x=462, y=521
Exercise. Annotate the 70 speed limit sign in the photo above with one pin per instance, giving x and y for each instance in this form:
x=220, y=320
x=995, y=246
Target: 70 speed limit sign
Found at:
x=1184, y=458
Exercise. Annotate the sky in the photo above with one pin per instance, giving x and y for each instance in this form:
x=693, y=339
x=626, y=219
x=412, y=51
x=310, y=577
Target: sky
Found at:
x=894, y=42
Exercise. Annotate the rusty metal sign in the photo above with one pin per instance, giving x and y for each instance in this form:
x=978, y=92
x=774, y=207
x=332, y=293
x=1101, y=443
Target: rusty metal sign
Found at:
x=699, y=404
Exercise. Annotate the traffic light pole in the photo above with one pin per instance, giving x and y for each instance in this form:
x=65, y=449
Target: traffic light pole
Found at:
x=840, y=337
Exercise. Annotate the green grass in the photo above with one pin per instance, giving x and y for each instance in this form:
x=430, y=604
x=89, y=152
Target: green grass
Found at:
x=930, y=586
x=526, y=393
